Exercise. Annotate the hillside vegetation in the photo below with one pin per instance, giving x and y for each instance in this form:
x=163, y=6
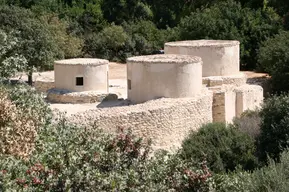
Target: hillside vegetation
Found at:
x=40, y=151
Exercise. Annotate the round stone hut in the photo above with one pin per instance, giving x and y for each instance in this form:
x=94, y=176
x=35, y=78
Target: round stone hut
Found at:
x=220, y=57
x=81, y=74
x=166, y=75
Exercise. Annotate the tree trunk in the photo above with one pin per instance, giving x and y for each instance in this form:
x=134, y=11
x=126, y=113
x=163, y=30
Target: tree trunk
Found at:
x=30, y=79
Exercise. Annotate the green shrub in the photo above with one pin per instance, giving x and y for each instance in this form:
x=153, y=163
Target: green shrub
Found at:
x=274, y=135
x=36, y=43
x=10, y=61
x=249, y=122
x=119, y=42
x=237, y=181
x=273, y=57
x=111, y=43
x=30, y=101
x=146, y=37
x=228, y=20
x=23, y=113
x=71, y=158
x=224, y=147
x=273, y=177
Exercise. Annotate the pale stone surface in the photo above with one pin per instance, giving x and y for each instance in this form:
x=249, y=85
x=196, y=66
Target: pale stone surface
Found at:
x=237, y=80
x=166, y=121
x=230, y=101
x=224, y=103
x=170, y=76
x=82, y=61
x=220, y=57
x=65, y=96
x=249, y=97
x=93, y=71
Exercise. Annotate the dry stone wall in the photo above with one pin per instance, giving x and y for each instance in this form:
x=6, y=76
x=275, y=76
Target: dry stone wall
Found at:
x=43, y=86
x=166, y=121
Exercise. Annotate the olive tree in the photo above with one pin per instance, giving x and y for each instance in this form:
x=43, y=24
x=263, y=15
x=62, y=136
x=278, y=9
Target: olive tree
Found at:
x=10, y=62
x=35, y=41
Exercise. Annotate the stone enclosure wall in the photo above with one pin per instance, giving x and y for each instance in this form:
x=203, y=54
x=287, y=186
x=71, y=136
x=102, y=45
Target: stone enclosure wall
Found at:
x=166, y=121
x=198, y=82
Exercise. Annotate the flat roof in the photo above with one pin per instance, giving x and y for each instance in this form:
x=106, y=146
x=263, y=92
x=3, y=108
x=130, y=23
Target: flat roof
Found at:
x=203, y=43
x=165, y=59
x=82, y=61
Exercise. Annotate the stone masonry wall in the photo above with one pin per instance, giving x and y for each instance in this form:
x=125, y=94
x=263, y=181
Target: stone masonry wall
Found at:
x=166, y=121
x=43, y=86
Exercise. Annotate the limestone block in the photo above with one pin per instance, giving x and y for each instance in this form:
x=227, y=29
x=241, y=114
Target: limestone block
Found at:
x=224, y=102
x=236, y=80
x=248, y=97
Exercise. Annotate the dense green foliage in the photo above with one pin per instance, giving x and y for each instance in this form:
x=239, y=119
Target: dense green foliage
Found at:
x=85, y=159
x=224, y=148
x=229, y=20
x=60, y=156
x=114, y=29
x=10, y=61
x=35, y=42
x=39, y=154
x=274, y=58
x=274, y=177
x=23, y=113
x=274, y=133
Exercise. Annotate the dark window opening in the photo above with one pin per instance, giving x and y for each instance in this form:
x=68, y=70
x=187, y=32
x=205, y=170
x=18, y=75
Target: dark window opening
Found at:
x=129, y=84
x=79, y=81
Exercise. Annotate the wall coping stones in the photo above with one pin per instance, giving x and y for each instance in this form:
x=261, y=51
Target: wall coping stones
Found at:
x=82, y=61
x=165, y=59
x=203, y=43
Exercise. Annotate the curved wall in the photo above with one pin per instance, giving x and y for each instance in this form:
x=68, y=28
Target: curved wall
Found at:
x=93, y=72
x=154, y=76
x=220, y=57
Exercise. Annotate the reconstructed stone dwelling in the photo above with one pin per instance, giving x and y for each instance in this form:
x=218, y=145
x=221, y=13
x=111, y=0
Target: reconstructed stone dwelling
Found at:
x=79, y=81
x=221, y=74
x=193, y=83
x=170, y=76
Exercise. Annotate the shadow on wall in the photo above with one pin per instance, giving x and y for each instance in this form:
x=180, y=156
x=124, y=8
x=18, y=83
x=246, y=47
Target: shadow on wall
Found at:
x=264, y=82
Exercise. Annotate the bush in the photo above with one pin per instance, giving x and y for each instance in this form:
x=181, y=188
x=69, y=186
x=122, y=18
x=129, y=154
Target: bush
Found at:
x=224, y=148
x=146, y=37
x=274, y=136
x=17, y=130
x=111, y=43
x=273, y=177
x=36, y=43
x=229, y=21
x=23, y=114
x=274, y=58
x=248, y=123
x=119, y=42
x=71, y=158
x=10, y=61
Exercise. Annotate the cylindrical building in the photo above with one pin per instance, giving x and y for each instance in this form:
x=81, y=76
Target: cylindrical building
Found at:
x=220, y=57
x=81, y=74
x=154, y=76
